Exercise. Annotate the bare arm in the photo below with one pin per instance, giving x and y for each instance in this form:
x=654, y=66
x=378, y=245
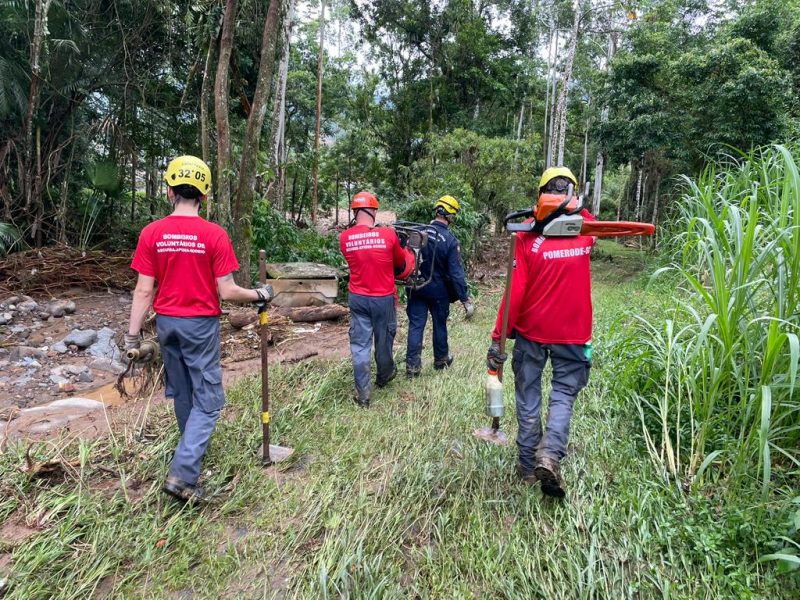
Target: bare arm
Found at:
x=142, y=299
x=229, y=290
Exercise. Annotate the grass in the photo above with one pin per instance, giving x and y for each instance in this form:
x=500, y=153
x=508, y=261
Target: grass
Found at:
x=395, y=502
x=715, y=380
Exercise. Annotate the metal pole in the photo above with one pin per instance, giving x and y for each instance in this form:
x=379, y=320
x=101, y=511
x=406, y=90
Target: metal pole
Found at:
x=264, y=335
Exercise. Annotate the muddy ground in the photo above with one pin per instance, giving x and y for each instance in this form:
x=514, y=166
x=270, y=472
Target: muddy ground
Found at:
x=58, y=374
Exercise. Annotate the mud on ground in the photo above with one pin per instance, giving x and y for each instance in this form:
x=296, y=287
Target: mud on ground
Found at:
x=37, y=369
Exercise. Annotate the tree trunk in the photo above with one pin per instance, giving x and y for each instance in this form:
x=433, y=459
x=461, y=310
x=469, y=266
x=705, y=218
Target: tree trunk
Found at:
x=310, y=314
x=585, y=163
x=551, y=125
x=31, y=172
x=601, y=157
x=278, y=126
x=204, y=90
x=245, y=195
x=545, y=138
x=598, y=183
x=320, y=65
x=336, y=205
x=639, y=191
x=221, y=103
x=561, y=108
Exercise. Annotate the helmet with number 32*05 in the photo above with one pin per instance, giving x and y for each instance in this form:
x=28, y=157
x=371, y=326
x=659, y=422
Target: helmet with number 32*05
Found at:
x=189, y=170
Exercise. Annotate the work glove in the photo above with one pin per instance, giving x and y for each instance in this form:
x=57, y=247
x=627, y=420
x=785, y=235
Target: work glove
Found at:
x=132, y=342
x=469, y=309
x=495, y=358
x=265, y=296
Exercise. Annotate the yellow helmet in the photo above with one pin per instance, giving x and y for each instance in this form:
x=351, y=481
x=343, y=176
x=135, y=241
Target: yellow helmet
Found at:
x=448, y=204
x=553, y=172
x=189, y=170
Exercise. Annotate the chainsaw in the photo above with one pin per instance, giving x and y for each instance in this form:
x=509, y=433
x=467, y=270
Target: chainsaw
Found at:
x=559, y=215
x=414, y=237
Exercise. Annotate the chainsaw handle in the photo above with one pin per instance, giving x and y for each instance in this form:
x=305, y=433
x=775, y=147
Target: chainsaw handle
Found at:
x=517, y=214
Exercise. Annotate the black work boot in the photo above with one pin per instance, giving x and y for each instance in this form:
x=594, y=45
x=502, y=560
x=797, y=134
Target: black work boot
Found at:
x=383, y=384
x=185, y=492
x=443, y=363
x=527, y=477
x=363, y=402
x=549, y=473
x=412, y=372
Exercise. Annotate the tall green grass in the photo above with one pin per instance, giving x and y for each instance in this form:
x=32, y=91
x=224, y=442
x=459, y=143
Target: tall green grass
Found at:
x=715, y=381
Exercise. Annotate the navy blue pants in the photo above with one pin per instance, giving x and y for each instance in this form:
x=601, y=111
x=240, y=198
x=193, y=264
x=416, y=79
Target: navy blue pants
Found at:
x=190, y=348
x=371, y=317
x=417, y=310
x=571, y=367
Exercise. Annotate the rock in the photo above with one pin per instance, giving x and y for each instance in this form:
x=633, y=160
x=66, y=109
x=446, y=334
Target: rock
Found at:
x=109, y=366
x=59, y=308
x=6, y=318
x=78, y=416
x=19, y=352
x=43, y=314
x=82, y=338
x=27, y=306
x=105, y=346
x=86, y=376
x=59, y=379
x=73, y=369
x=11, y=300
x=27, y=361
x=124, y=299
x=59, y=347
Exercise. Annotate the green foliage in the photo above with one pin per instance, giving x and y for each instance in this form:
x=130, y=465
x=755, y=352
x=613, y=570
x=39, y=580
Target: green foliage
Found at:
x=469, y=226
x=9, y=237
x=715, y=382
x=285, y=242
x=493, y=174
x=788, y=546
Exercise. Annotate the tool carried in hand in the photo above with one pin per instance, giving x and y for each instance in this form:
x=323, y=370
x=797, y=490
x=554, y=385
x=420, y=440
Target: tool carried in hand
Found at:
x=269, y=453
x=414, y=236
x=559, y=215
x=147, y=351
x=494, y=378
x=554, y=215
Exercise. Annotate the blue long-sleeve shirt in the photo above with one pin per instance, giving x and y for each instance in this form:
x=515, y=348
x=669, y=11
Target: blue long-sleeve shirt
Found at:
x=442, y=253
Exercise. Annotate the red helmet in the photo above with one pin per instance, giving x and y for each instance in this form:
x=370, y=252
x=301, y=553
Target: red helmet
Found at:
x=364, y=200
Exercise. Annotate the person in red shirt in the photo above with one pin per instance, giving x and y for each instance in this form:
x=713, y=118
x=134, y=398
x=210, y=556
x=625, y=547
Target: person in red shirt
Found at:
x=550, y=316
x=375, y=258
x=185, y=265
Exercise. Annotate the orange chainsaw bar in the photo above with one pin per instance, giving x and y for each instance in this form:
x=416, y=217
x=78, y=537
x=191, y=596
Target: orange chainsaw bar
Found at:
x=605, y=229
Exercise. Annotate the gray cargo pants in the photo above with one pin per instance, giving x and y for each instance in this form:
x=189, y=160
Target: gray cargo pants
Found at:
x=571, y=365
x=371, y=317
x=190, y=348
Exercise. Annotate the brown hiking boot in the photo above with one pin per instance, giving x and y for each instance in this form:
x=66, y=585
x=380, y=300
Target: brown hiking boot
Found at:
x=549, y=473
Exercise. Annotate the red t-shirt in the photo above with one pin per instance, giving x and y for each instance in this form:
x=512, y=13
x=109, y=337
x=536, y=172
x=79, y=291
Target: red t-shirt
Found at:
x=551, y=290
x=373, y=254
x=185, y=255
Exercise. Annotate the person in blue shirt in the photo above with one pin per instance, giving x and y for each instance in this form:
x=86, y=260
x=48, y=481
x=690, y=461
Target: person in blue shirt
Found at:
x=441, y=262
